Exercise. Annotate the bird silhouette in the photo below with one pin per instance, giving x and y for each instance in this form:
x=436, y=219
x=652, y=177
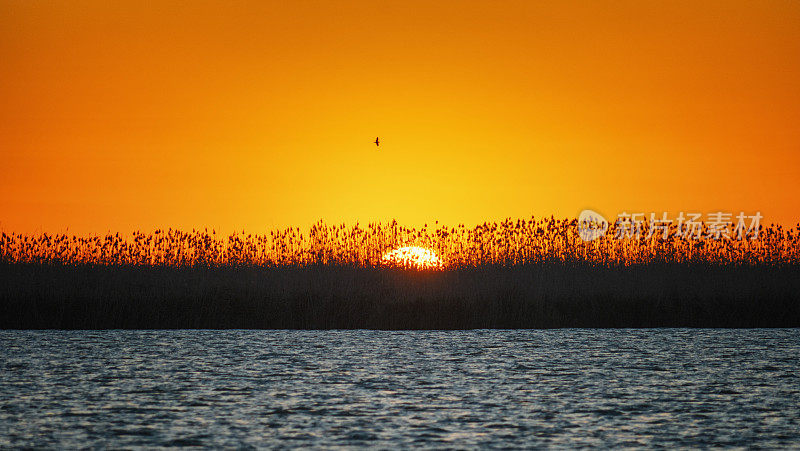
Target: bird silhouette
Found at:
x=377, y=142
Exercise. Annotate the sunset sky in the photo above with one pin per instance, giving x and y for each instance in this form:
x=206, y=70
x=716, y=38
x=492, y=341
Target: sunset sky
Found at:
x=118, y=115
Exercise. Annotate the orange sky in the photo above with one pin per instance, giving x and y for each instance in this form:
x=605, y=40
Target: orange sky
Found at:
x=137, y=115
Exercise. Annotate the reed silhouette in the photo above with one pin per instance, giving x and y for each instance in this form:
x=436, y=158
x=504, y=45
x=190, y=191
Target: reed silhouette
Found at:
x=511, y=274
x=505, y=243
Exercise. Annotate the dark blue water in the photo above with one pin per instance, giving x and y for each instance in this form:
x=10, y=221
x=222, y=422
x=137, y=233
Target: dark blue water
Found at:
x=675, y=387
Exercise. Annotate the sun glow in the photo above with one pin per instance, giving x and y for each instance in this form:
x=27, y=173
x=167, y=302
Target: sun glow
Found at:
x=413, y=257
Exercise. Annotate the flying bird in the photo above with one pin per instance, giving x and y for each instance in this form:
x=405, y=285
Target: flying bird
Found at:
x=377, y=142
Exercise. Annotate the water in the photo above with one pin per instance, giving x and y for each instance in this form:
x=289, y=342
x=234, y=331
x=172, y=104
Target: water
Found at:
x=673, y=387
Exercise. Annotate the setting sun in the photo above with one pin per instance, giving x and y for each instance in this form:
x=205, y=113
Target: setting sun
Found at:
x=374, y=224
x=413, y=256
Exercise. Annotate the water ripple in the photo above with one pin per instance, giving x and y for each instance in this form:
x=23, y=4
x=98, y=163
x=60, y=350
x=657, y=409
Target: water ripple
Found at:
x=579, y=387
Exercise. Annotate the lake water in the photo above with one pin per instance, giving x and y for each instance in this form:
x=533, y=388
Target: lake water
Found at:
x=671, y=387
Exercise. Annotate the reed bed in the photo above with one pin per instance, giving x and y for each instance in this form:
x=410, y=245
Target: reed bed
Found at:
x=34, y=296
x=505, y=243
x=534, y=273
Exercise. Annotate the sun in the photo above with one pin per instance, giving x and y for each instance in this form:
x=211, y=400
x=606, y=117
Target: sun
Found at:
x=412, y=257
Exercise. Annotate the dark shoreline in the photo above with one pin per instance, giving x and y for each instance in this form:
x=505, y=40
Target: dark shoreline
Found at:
x=548, y=295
